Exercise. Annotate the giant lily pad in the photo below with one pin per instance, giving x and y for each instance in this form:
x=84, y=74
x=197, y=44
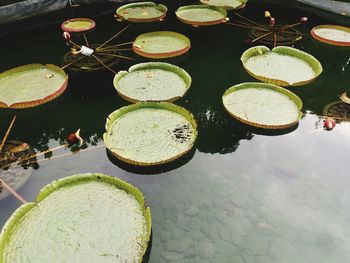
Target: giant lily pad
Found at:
x=142, y=12
x=227, y=4
x=263, y=105
x=150, y=133
x=153, y=81
x=81, y=218
x=31, y=85
x=332, y=34
x=201, y=15
x=78, y=25
x=161, y=44
x=283, y=66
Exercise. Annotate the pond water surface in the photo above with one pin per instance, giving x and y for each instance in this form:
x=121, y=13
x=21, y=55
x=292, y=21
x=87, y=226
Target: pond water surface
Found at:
x=243, y=195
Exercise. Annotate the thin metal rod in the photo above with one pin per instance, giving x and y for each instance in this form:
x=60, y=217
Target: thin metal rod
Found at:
x=54, y=157
x=44, y=152
x=113, y=49
x=265, y=35
x=70, y=153
x=247, y=19
x=244, y=23
x=8, y=132
x=292, y=25
x=72, y=62
x=33, y=156
x=103, y=64
x=118, y=45
x=109, y=40
x=74, y=44
x=12, y=191
x=114, y=55
x=86, y=40
x=250, y=27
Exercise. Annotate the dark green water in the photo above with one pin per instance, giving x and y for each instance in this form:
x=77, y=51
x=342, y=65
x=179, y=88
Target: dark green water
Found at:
x=243, y=195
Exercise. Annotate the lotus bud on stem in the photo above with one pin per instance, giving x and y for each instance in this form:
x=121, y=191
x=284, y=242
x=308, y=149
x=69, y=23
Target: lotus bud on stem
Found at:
x=303, y=20
x=329, y=123
x=66, y=36
x=74, y=137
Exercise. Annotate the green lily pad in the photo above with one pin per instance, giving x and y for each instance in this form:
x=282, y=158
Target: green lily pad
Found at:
x=78, y=25
x=81, y=218
x=153, y=81
x=263, y=105
x=161, y=44
x=227, y=4
x=283, y=66
x=332, y=34
x=31, y=85
x=142, y=12
x=150, y=133
x=201, y=15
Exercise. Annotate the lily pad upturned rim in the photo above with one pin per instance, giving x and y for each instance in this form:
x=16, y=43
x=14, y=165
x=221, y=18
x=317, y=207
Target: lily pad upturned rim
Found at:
x=70, y=181
x=330, y=41
x=153, y=65
x=159, y=7
x=162, y=54
x=248, y=85
x=243, y=5
x=283, y=50
x=155, y=105
x=78, y=30
x=206, y=23
x=34, y=103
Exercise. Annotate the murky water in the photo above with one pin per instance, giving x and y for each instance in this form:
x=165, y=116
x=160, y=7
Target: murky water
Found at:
x=243, y=195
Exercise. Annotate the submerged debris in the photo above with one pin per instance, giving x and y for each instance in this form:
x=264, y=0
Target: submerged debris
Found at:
x=182, y=133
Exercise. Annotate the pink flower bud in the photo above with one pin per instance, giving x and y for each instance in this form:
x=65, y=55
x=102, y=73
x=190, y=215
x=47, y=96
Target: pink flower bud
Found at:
x=329, y=123
x=304, y=19
x=75, y=137
x=272, y=21
x=66, y=35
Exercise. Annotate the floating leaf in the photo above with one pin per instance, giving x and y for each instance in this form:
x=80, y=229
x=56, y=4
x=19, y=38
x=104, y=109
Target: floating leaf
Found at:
x=161, y=44
x=142, y=12
x=227, y=4
x=263, y=105
x=31, y=85
x=153, y=81
x=201, y=15
x=78, y=25
x=283, y=66
x=150, y=133
x=332, y=34
x=81, y=218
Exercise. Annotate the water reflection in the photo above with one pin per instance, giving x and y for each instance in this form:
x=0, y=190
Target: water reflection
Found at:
x=155, y=169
